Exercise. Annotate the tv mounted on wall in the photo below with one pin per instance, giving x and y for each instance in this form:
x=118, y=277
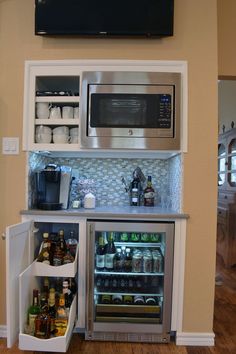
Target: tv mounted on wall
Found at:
x=104, y=17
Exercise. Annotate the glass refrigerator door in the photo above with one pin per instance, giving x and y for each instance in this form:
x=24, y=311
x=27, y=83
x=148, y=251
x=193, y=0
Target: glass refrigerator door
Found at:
x=131, y=276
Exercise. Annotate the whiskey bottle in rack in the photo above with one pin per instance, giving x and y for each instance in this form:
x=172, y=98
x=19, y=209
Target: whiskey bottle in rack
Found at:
x=43, y=320
x=61, y=317
x=68, y=258
x=62, y=241
x=33, y=311
x=44, y=254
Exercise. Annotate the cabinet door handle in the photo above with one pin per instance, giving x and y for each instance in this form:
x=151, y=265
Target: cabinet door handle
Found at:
x=3, y=236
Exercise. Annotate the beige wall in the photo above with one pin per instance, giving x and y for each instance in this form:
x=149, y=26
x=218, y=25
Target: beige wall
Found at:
x=226, y=37
x=195, y=40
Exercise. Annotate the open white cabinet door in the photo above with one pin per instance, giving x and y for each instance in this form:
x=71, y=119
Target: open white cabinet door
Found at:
x=18, y=258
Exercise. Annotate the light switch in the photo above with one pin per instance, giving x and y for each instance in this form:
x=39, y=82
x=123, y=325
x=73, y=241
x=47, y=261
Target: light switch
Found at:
x=10, y=146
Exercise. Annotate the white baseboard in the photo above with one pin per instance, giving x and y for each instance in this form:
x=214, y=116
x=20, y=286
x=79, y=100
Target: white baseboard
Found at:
x=195, y=339
x=3, y=331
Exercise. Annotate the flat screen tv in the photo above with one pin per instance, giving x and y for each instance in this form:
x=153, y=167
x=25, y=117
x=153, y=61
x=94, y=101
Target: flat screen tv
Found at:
x=104, y=17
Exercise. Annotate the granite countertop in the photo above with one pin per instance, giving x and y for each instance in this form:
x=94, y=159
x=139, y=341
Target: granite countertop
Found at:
x=124, y=212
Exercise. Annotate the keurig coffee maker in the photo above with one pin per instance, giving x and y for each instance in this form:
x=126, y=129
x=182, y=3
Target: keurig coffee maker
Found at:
x=53, y=187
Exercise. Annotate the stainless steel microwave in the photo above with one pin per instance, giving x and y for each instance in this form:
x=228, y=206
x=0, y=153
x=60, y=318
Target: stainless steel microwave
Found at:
x=130, y=110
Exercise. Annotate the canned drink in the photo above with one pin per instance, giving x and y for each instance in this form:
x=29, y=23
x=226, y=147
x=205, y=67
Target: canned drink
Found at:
x=157, y=262
x=137, y=262
x=147, y=263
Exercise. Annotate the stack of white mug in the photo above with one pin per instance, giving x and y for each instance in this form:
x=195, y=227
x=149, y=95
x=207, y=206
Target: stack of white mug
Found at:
x=45, y=110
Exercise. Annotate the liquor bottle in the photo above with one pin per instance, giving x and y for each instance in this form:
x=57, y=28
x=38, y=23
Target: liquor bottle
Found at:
x=45, y=288
x=61, y=320
x=58, y=255
x=118, y=261
x=43, y=321
x=52, y=309
x=67, y=294
x=110, y=251
x=44, y=254
x=68, y=258
x=149, y=193
x=62, y=241
x=33, y=311
x=135, y=192
x=100, y=254
x=128, y=261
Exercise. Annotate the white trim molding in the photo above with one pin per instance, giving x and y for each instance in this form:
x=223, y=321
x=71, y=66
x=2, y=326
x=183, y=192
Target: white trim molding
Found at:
x=195, y=339
x=3, y=331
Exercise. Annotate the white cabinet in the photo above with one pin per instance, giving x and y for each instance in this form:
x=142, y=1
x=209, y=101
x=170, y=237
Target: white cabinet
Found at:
x=49, y=88
x=23, y=274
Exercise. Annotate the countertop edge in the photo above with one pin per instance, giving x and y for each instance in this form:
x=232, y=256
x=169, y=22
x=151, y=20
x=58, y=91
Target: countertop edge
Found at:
x=124, y=213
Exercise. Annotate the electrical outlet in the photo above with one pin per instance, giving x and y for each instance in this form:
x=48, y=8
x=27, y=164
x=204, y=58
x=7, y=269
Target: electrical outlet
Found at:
x=10, y=146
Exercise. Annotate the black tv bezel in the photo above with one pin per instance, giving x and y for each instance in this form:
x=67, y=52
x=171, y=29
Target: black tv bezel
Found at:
x=168, y=32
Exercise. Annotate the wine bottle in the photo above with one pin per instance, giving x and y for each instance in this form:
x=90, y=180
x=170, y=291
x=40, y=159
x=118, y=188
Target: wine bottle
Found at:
x=100, y=253
x=149, y=193
x=135, y=192
x=110, y=251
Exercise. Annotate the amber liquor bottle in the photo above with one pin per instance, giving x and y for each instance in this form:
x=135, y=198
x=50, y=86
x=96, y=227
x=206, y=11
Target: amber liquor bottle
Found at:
x=149, y=193
x=43, y=320
x=44, y=254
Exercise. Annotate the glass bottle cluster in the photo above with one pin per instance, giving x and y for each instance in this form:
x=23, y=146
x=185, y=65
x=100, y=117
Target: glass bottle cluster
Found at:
x=55, y=250
x=48, y=315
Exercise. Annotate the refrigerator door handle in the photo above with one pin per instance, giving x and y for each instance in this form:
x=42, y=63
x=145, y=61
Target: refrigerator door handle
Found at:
x=90, y=266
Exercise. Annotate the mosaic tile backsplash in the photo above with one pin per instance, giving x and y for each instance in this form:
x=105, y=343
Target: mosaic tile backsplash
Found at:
x=103, y=177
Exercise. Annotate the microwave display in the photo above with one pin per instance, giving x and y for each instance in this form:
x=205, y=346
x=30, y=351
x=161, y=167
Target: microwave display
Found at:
x=130, y=111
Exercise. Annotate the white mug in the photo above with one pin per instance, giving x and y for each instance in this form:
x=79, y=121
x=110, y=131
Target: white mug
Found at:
x=55, y=113
x=74, y=139
x=67, y=112
x=61, y=130
x=43, y=129
x=42, y=138
x=76, y=112
x=61, y=138
x=42, y=110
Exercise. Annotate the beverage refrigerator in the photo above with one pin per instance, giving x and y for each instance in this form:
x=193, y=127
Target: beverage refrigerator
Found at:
x=129, y=300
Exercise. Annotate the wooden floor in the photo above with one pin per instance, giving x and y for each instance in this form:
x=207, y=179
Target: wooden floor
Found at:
x=224, y=329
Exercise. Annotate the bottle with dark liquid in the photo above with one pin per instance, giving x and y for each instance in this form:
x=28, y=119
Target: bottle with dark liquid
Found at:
x=43, y=321
x=100, y=253
x=110, y=251
x=135, y=192
x=149, y=193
